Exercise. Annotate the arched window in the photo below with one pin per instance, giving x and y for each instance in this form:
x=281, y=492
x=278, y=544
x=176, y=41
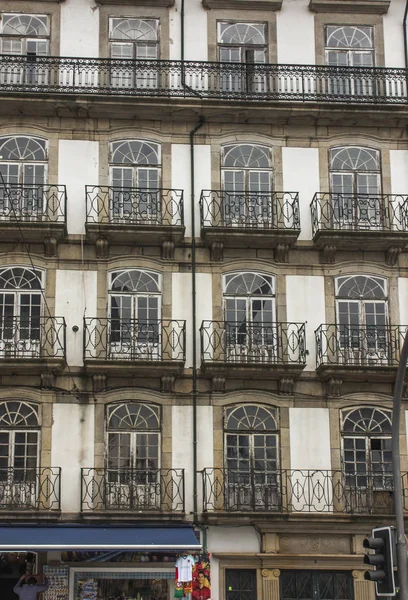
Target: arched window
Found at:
x=246, y=171
x=20, y=310
x=24, y=34
x=249, y=309
x=367, y=457
x=135, y=309
x=252, y=456
x=362, y=314
x=349, y=46
x=23, y=159
x=133, y=455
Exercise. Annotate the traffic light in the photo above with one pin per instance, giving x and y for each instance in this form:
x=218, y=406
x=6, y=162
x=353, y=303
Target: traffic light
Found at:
x=382, y=541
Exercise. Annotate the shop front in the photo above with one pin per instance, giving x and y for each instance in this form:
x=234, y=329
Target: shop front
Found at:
x=105, y=563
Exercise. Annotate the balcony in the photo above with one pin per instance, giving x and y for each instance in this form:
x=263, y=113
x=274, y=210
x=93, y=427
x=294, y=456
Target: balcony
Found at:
x=298, y=491
x=33, y=212
x=360, y=222
x=30, y=489
x=155, y=491
x=360, y=353
x=29, y=342
x=134, y=347
x=256, y=350
x=253, y=219
x=128, y=215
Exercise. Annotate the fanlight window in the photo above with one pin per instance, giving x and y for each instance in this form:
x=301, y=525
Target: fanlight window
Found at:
x=251, y=417
x=367, y=421
x=25, y=25
x=246, y=156
x=23, y=34
x=135, y=152
x=354, y=159
x=17, y=413
x=249, y=284
x=20, y=278
x=135, y=30
x=132, y=417
x=361, y=287
x=242, y=34
x=24, y=148
x=135, y=281
x=350, y=46
x=349, y=37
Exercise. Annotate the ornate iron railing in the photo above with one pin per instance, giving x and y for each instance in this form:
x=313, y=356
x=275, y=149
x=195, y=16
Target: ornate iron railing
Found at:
x=250, y=210
x=299, y=490
x=32, y=338
x=253, y=343
x=30, y=489
x=354, y=346
x=362, y=212
x=134, y=340
x=134, y=206
x=45, y=203
x=229, y=81
x=160, y=490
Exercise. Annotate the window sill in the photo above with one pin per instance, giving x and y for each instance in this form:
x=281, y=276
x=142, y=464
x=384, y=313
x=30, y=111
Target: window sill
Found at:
x=244, y=4
x=151, y=3
x=376, y=7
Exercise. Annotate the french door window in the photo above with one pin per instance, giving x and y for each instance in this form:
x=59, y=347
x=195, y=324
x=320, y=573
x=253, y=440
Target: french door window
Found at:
x=362, y=315
x=316, y=585
x=246, y=171
x=135, y=169
x=252, y=457
x=355, y=183
x=244, y=44
x=135, y=308
x=240, y=584
x=133, y=456
x=134, y=40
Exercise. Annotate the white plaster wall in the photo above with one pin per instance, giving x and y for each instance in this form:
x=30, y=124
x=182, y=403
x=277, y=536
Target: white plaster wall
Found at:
x=393, y=35
x=403, y=300
x=215, y=579
x=301, y=174
x=205, y=446
x=75, y=298
x=399, y=171
x=78, y=166
x=295, y=22
x=233, y=539
x=79, y=28
x=72, y=447
x=195, y=31
x=181, y=178
x=182, y=449
x=309, y=438
x=305, y=304
x=182, y=306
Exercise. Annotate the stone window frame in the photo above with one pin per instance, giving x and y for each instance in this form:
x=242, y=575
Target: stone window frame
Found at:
x=36, y=409
x=244, y=4
x=108, y=11
x=363, y=20
x=49, y=8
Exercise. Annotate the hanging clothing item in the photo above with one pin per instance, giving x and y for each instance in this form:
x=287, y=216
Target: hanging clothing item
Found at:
x=185, y=566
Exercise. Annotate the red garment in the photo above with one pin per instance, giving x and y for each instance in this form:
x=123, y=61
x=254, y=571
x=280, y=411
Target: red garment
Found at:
x=201, y=594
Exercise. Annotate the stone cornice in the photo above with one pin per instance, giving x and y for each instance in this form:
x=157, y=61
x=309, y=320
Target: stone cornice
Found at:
x=373, y=7
x=244, y=4
x=151, y=3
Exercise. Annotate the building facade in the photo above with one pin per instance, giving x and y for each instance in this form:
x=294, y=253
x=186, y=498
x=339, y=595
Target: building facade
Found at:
x=204, y=276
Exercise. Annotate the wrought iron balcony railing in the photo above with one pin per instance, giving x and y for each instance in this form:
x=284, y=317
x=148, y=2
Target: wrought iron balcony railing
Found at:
x=253, y=343
x=362, y=212
x=250, y=210
x=134, y=340
x=134, y=206
x=158, y=490
x=32, y=338
x=299, y=490
x=30, y=489
x=354, y=346
x=228, y=81
x=45, y=203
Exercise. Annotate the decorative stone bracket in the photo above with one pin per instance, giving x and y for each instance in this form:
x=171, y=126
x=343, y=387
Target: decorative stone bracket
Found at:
x=99, y=382
x=102, y=248
x=50, y=247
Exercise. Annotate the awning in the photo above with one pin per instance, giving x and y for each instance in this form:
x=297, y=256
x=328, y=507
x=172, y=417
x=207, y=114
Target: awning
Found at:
x=84, y=537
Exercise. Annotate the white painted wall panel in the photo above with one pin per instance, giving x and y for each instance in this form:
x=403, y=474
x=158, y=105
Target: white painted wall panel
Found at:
x=181, y=178
x=72, y=423
x=205, y=446
x=78, y=166
x=182, y=448
x=79, y=28
x=182, y=306
x=233, y=539
x=305, y=304
x=295, y=22
x=393, y=35
x=301, y=174
x=399, y=171
x=308, y=450
x=75, y=298
x=403, y=300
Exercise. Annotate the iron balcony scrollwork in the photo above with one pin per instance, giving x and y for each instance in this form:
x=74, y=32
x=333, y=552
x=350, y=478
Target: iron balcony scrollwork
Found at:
x=40, y=203
x=113, y=339
x=157, y=490
x=359, y=212
x=227, y=81
x=134, y=206
x=30, y=489
x=359, y=346
x=32, y=338
x=300, y=490
x=254, y=343
x=250, y=210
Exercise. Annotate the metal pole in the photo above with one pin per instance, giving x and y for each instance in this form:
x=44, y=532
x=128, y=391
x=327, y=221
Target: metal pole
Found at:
x=396, y=465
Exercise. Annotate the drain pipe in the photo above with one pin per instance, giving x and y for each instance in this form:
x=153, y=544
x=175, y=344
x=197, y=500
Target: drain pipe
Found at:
x=194, y=315
x=182, y=32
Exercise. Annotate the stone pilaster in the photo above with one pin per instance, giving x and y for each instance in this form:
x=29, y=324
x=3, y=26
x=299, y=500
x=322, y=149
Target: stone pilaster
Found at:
x=270, y=584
